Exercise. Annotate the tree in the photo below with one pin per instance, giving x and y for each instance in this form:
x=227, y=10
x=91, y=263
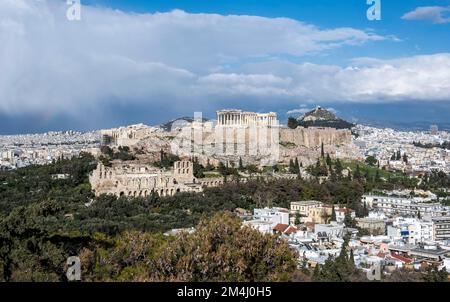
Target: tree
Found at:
x=296, y=166
x=405, y=158
x=161, y=155
x=338, y=168
x=357, y=174
x=222, y=169
x=219, y=250
x=393, y=157
x=371, y=160
x=292, y=123
x=333, y=213
x=339, y=269
x=198, y=169
x=377, y=176
x=328, y=160
x=252, y=169
x=241, y=166
x=433, y=274
x=349, y=222
x=366, y=174
x=291, y=166
x=352, y=259
x=322, y=151
x=365, y=212
x=398, y=155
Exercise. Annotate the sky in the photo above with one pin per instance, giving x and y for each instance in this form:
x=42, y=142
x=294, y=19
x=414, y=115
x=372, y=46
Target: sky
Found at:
x=150, y=61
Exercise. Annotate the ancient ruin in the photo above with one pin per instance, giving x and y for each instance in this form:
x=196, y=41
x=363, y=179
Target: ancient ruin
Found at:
x=140, y=180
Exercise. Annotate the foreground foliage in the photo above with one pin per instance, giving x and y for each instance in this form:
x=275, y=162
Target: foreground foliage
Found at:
x=44, y=220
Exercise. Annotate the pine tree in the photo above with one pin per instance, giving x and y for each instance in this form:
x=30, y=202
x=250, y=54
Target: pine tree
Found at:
x=292, y=123
x=161, y=156
x=348, y=220
x=352, y=259
x=222, y=169
x=405, y=158
x=377, y=176
x=328, y=160
x=291, y=166
x=338, y=168
x=241, y=166
x=296, y=166
x=322, y=151
x=316, y=277
x=357, y=174
x=367, y=174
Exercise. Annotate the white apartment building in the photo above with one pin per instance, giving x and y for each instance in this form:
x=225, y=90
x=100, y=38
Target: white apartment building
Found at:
x=392, y=206
x=410, y=230
x=273, y=215
x=441, y=228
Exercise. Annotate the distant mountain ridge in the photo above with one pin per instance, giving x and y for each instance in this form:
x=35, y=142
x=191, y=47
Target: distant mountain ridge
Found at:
x=321, y=117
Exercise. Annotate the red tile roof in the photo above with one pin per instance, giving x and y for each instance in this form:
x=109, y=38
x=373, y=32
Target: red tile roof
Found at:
x=401, y=258
x=280, y=227
x=290, y=230
x=285, y=228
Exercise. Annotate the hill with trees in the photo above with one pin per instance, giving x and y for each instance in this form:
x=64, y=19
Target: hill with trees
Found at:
x=320, y=117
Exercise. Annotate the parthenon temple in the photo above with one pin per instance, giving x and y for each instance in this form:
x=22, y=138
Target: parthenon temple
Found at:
x=235, y=117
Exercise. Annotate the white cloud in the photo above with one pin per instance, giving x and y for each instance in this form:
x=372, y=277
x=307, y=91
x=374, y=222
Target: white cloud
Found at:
x=298, y=111
x=435, y=14
x=367, y=80
x=48, y=62
x=302, y=110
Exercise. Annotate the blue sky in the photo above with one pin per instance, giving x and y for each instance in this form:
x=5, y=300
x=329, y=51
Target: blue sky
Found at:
x=421, y=37
x=149, y=61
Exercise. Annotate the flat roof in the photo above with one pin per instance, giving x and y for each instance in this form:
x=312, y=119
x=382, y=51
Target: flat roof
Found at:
x=305, y=202
x=437, y=251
